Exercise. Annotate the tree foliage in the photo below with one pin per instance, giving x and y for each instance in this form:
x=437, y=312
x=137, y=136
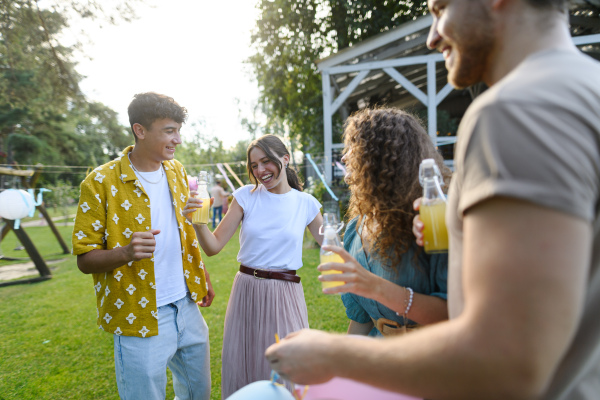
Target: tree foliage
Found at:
x=291, y=35
x=44, y=117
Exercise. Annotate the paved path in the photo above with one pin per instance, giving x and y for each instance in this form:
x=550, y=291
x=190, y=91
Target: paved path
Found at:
x=58, y=221
x=16, y=271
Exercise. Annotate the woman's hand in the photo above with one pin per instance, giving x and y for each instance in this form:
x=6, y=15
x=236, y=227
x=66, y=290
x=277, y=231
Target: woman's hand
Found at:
x=357, y=279
x=193, y=203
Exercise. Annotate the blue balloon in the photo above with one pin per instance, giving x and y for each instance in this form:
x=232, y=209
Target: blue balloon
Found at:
x=263, y=390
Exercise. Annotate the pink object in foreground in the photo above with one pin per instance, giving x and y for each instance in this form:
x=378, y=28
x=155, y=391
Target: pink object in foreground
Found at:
x=193, y=182
x=346, y=389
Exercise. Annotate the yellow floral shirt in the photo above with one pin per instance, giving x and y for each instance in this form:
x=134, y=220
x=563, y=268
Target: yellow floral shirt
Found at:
x=112, y=206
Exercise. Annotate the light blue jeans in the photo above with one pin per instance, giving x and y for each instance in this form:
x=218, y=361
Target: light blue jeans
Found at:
x=182, y=345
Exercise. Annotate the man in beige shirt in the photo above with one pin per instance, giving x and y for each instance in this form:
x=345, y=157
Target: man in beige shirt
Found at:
x=220, y=196
x=523, y=218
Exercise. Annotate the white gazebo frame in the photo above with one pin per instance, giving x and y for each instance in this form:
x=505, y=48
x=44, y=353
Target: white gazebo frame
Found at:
x=342, y=63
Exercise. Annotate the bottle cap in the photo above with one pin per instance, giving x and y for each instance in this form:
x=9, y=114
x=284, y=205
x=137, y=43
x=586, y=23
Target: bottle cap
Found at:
x=428, y=162
x=428, y=169
x=329, y=232
x=203, y=176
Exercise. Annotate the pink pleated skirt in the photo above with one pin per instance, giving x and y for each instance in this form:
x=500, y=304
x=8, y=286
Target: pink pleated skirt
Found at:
x=257, y=309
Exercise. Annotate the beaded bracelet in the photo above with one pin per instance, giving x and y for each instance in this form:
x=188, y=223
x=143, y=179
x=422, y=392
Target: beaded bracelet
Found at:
x=410, y=300
x=407, y=303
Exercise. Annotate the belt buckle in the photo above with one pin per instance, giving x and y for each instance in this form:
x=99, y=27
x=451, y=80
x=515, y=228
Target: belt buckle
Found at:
x=382, y=322
x=254, y=274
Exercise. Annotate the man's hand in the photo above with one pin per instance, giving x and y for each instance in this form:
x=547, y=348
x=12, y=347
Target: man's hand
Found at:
x=417, y=223
x=97, y=261
x=302, y=357
x=142, y=245
x=210, y=295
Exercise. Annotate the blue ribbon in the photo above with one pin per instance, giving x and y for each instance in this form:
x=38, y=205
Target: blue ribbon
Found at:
x=321, y=177
x=39, y=201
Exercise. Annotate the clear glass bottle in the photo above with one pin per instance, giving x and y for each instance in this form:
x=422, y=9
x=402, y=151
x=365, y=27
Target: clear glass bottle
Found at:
x=433, y=208
x=330, y=230
x=200, y=216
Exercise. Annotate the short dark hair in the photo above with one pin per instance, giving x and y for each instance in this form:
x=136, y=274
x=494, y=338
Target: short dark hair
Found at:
x=145, y=108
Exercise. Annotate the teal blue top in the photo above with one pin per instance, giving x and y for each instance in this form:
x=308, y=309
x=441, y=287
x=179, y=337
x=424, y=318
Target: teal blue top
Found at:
x=430, y=279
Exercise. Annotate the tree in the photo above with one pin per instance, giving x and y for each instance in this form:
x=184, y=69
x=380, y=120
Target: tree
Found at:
x=44, y=117
x=291, y=35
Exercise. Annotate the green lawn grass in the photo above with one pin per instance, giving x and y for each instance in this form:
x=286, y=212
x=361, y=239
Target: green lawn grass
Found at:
x=59, y=214
x=50, y=347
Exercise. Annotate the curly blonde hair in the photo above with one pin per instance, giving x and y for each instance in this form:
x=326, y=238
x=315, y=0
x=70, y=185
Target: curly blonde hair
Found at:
x=386, y=145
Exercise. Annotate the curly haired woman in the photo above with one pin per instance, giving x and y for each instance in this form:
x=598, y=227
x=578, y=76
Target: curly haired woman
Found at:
x=391, y=285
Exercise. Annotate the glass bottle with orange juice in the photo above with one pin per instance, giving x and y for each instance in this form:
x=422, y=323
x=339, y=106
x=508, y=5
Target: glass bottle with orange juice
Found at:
x=200, y=216
x=330, y=231
x=433, y=208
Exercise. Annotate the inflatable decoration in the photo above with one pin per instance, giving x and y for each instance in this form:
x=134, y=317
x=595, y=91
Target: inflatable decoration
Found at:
x=263, y=390
x=346, y=389
x=16, y=204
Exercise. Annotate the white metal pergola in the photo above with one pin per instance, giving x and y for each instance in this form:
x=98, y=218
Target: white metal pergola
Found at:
x=356, y=71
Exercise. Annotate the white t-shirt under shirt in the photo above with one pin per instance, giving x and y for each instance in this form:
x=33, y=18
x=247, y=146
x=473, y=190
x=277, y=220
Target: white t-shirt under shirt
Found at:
x=168, y=267
x=273, y=227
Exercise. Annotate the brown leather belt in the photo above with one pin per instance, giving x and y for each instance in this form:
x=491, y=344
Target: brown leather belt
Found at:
x=387, y=327
x=282, y=274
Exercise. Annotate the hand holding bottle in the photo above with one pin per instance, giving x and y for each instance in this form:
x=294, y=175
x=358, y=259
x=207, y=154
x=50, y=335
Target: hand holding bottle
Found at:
x=330, y=231
x=194, y=203
x=433, y=208
x=354, y=277
x=200, y=217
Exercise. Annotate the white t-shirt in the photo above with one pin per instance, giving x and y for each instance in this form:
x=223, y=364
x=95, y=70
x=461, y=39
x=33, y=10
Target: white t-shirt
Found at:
x=273, y=227
x=168, y=267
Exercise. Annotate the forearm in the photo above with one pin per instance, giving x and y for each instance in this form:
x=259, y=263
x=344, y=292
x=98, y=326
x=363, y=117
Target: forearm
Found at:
x=98, y=261
x=208, y=241
x=462, y=365
x=424, y=309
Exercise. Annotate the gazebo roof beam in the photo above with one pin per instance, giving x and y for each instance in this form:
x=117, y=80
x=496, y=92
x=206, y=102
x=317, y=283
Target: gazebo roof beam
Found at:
x=345, y=76
x=375, y=42
x=396, y=51
x=418, y=76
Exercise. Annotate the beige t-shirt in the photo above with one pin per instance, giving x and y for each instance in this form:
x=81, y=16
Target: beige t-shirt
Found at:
x=535, y=136
x=219, y=194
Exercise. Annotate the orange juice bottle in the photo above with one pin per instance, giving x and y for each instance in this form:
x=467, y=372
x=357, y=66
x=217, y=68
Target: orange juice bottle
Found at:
x=433, y=208
x=200, y=216
x=331, y=257
x=330, y=238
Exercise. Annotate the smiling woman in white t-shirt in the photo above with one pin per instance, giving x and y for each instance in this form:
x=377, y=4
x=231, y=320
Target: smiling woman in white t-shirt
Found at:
x=267, y=296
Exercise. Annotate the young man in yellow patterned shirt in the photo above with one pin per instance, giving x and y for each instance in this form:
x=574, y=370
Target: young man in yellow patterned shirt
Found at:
x=131, y=235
